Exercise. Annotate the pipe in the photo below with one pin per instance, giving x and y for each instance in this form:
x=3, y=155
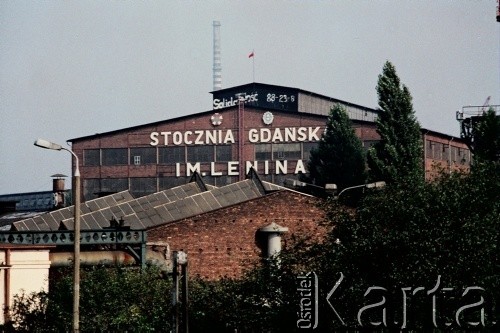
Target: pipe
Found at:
x=6, y=311
x=449, y=153
x=109, y=258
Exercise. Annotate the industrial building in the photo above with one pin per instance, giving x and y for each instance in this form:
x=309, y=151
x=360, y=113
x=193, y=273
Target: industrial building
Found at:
x=268, y=128
x=208, y=184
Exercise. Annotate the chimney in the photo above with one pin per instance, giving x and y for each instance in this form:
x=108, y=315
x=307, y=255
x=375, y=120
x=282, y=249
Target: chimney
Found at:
x=58, y=190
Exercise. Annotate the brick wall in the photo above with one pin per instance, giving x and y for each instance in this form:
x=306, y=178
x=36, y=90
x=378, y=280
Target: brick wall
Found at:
x=223, y=242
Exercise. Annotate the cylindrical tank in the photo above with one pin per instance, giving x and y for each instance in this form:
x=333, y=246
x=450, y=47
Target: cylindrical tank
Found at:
x=58, y=185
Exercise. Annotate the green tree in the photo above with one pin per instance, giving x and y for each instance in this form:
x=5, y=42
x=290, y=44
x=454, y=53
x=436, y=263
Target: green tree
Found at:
x=398, y=154
x=409, y=238
x=115, y=299
x=339, y=157
x=487, y=137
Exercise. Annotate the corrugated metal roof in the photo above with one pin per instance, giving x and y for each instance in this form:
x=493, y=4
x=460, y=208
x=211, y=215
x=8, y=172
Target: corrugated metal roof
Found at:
x=159, y=208
x=197, y=204
x=99, y=219
x=51, y=220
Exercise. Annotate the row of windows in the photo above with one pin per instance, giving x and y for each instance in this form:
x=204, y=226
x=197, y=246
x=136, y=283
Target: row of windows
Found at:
x=283, y=151
x=93, y=188
x=183, y=154
x=148, y=155
x=441, y=151
x=140, y=186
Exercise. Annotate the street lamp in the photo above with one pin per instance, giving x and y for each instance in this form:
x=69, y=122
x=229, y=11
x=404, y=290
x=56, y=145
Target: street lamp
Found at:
x=76, y=252
x=369, y=185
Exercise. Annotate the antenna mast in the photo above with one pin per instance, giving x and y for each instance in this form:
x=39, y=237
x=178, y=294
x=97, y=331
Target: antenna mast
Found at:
x=217, y=68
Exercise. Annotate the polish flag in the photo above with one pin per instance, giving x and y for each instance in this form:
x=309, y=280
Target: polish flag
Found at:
x=251, y=55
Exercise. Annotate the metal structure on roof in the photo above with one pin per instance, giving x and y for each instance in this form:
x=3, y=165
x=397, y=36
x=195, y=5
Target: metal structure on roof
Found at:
x=152, y=210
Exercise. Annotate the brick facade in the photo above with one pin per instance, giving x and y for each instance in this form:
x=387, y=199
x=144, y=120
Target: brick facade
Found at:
x=223, y=242
x=224, y=160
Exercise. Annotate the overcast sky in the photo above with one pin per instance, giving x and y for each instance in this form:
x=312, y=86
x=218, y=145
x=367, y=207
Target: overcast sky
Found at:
x=75, y=68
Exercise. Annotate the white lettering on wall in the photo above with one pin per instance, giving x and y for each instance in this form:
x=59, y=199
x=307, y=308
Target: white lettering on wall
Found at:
x=224, y=103
x=232, y=168
x=299, y=168
x=198, y=137
x=289, y=134
x=261, y=135
x=154, y=138
x=190, y=168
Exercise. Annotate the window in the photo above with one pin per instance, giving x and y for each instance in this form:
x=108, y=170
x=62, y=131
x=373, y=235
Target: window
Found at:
x=91, y=157
x=446, y=152
x=223, y=153
x=286, y=151
x=437, y=152
x=454, y=154
x=115, y=156
x=429, y=148
x=263, y=152
x=169, y=182
x=170, y=155
x=200, y=154
x=142, y=186
x=367, y=144
x=225, y=180
x=307, y=147
x=113, y=185
x=90, y=188
x=146, y=155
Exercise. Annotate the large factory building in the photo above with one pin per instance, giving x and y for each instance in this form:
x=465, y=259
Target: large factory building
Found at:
x=268, y=128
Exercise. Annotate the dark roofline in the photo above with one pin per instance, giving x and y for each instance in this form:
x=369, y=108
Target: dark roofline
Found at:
x=21, y=194
x=299, y=90
x=425, y=131
x=209, y=111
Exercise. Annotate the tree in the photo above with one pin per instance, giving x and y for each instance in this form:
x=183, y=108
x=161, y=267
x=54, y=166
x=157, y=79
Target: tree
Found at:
x=116, y=299
x=486, y=140
x=339, y=157
x=399, y=151
x=436, y=235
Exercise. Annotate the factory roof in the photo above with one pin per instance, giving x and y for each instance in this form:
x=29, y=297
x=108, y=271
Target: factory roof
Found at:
x=149, y=211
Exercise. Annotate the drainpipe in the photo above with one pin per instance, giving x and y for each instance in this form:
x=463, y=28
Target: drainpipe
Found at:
x=273, y=232
x=6, y=310
x=425, y=155
x=449, y=153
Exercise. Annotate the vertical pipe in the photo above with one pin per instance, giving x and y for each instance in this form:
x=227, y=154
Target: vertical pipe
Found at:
x=76, y=259
x=7, y=287
x=175, y=294
x=185, y=298
x=449, y=154
x=241, y=130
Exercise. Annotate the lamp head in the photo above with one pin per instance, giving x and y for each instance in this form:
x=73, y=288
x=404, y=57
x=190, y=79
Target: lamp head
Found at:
x=47, y=144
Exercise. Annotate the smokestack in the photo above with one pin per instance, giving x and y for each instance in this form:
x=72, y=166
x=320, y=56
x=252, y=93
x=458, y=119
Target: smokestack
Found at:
x=217, y=68
x=58, y=190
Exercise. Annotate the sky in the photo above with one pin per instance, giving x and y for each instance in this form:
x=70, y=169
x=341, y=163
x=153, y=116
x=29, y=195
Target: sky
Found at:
x=75, y=68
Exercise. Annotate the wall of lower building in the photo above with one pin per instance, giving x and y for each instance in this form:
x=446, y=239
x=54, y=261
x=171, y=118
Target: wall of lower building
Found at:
x=23, y=271
x=222, y=243
x=444, y=154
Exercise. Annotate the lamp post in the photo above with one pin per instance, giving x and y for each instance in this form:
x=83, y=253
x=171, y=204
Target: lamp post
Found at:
x=369, y=185
x=76, y=252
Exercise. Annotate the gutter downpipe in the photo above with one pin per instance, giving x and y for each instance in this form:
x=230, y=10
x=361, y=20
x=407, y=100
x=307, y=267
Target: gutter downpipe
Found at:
x=6, y=310
x=449, y=154
x=425, y=154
